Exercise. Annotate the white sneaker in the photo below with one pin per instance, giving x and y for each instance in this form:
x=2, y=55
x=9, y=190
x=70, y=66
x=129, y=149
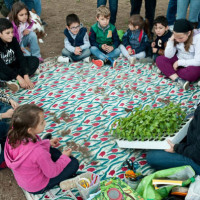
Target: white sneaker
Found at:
x=13, y=85
x=171, y=28
x=63, y=59
x=198, y=83
x=131, y=60
x=37, y=72
x=158, y=71
x=87, y=60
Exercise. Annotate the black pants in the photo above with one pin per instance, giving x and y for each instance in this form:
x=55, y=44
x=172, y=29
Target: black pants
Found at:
x=150, y=6
x=67, y=172
x=32, y=65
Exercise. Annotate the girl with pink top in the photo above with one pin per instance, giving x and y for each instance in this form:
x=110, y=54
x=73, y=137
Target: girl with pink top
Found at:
x=36, y=165
x=22, y=25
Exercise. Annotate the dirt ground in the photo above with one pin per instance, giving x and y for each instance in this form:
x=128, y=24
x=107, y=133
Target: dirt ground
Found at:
x=54, y=13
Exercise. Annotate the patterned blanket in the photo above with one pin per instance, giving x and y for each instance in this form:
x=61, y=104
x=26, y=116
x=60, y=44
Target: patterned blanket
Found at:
x=82, y=100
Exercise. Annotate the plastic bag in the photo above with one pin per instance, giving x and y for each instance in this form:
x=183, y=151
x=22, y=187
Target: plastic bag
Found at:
x=194, y=190
x=120, y=34
x=146, y=188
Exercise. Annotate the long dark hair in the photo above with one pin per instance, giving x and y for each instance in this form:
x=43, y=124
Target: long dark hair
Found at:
x=137, y=20
x=16, y=8
x=24, y=117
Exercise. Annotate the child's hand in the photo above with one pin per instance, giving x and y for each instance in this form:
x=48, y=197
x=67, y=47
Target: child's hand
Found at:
x=154, y=50
x=103, y=46
x=175, y=65
x=8, y=114
x=67, y=152
x=109, y=48
x=54, y=142
x=22, y=82
x=153, y=44
x=26, y=32
x=78, y=51
x=172, y=37
x=23, y=49
x=13, y=103
x=28, y=81
x=130, y=52
x=171, y=150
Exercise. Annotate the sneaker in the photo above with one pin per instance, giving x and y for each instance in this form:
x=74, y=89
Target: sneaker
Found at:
x=37, y=72
x=146, y=60
x=198, y=83
x=131, y=60
x=112, y=62
x=158, y=71
x=47, y=136
x=13, y=85
x=71, y=183
x=98, y=63
x=182, y=83
x=87, y=60
x=43, y=23
x=41, y=60
x=63, y=59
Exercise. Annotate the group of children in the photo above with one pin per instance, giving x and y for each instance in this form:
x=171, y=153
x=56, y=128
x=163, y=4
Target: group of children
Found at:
x=176, y=55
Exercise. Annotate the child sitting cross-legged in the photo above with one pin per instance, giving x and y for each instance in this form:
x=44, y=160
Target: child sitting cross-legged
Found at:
x=162, y=35
x=76, y=42
x=13, y=64
x=104, y=39
x=36, y=164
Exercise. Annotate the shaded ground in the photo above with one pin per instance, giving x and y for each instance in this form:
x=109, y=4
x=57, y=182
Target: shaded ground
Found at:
x=54, y=14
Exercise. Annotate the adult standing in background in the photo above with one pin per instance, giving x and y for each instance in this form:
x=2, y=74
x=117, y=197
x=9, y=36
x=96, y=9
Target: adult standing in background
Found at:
x=113, y=6
x=150, y=6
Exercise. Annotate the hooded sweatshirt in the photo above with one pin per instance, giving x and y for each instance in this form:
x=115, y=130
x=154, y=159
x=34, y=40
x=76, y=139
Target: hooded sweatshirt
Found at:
x=32, y=164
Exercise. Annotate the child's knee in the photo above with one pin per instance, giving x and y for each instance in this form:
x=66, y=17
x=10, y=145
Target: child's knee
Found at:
x=75, y=163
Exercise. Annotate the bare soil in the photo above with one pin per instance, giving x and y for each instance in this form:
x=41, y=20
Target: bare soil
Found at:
x=54, y=13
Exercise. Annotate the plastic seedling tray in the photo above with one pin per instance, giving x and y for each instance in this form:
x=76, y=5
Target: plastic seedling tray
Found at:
x=155, y=144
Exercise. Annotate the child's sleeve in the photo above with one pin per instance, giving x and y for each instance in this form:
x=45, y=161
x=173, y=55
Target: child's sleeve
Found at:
x=49, y=168
x=170, y=49
x=125, y=40
x=86, y=41
x=115, y=38
x=92, y=37
x=68, y=45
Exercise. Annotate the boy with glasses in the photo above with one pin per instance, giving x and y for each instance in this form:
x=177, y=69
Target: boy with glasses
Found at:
x=76, y=42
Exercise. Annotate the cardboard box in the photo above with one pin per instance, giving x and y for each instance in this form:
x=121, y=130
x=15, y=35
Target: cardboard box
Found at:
x=155, y=144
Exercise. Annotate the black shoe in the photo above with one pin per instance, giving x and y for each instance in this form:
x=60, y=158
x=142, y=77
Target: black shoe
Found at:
x=47, y=136
x=43, y=23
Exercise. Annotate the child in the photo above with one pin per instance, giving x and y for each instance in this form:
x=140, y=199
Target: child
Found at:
x=104, y=39
x=185, y=153
x=13, y=65
x=135, y=40
x=6, y=111
x=76, y=42
x=22, y=24
x=181, y=62
x=162, y=35
x=36, y=165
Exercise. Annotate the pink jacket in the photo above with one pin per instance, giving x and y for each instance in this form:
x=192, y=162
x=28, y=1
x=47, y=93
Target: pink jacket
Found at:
x=32, y=164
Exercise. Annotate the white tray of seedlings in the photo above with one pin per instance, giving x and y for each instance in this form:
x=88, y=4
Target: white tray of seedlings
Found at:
x=150, y=128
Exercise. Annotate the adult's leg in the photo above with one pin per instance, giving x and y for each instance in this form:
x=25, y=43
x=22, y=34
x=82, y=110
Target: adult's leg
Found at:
x=67, y=53
x=113, y=5
x=171, y=12
x=194, y=10
x=160, y=159
x=85, y=53
x=114, y=54
x=31, y=41
x=38, y=7
x=101, y=2
x=182, y=6
x=150, y=7
x=33, y=64
x=99, y=54
x=135, y=6
x=29, y=4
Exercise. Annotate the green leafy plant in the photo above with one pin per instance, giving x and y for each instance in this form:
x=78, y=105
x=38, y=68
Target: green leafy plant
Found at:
x=149, y=124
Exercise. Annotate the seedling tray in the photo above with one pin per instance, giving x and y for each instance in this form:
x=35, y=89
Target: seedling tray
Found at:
x=155, y=144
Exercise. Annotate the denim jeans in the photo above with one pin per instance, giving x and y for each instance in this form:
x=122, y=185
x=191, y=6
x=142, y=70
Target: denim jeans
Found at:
x=67, y=172
x=150, y=6
x=113, y=5
x=85, y=53
x=102, y=56
x=171, y=12
x=182, y=6
x=31, y=41
x=160, y=159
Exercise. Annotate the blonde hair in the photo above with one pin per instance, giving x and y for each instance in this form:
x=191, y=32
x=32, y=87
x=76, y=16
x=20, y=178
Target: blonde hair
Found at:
x=104, y=11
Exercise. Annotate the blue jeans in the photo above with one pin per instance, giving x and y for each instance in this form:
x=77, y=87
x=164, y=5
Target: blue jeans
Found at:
x=182, y=6
x=85, y=53
x=31, y=41
x=171, y=12
x=113, y=5
x=160, y=159
x=102, y=56
x=150, y=6
x=67, y=172
x=34, y=4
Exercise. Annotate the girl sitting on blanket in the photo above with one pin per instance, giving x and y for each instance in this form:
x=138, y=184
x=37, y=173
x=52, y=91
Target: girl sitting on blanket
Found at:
x=181, y=62
x=36, y=164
